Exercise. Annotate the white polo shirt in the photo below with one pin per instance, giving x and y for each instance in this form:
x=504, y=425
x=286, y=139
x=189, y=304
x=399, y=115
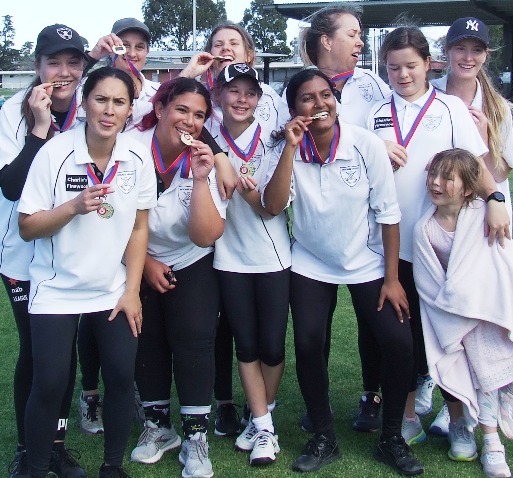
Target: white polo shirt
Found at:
x=15, y=253
x=359, y=94
x=169, y=240
x=79, y=269
x=338, y=208
x=250, y=243
x=445, y=125
x=505, y=133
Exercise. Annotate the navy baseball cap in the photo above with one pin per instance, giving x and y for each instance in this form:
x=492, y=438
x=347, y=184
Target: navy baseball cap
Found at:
x=56, y=38
x=468, y=27
x=237, y=70
x=126, y=24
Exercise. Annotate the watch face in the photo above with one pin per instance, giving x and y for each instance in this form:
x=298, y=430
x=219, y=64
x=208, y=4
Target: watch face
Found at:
x=496, y=196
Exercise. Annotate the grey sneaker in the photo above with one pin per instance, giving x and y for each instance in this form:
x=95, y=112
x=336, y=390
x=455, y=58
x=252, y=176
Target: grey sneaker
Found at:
x=245, y=440
x=463, y=445
x=412, y=432
x=424, y=395
x=194, y=457
x=265, y=448
x=506, y=410
x=90, y=411
x=153, y=442
x=440, y=425
x=493, y=459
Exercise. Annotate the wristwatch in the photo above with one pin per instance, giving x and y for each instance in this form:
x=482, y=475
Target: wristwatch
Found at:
x=496, y=196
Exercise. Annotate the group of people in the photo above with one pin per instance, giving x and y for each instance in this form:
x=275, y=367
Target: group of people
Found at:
x=178, y=196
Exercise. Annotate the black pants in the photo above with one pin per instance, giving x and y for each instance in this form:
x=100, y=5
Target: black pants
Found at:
x=18, y=292
x=88, y=354
x=178, y=336
x=53, y=344
x=223, y=382
x=312, y=309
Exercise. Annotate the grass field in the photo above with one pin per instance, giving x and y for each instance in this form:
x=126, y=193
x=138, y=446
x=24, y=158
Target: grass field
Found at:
x=356, y=448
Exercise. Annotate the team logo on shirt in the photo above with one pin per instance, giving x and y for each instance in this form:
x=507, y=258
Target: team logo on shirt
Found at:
x=125, y=181
x=366, y=91
x=431, y=122
x=184, y=195
x=350, y=174
x=65, y=33
x=263, y=111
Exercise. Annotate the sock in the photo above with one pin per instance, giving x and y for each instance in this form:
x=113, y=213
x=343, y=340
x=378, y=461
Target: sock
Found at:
x=158, y=412
x=491, y=438
x=194, y=420
x=264, y=422
x=271, y=406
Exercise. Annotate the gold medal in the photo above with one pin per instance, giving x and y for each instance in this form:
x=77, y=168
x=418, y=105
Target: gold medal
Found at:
x=247, y=169
x=105, y=210
x=186, y=138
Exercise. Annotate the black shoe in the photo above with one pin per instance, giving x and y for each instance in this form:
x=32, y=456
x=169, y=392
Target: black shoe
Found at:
x=64, y=465
x=396, y=453
x=112, y=472
x=227, y=421
x=318, y=451
x=368, y=415
x=19, y=466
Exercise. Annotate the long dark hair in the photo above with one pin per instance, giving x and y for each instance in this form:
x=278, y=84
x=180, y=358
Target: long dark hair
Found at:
x=108, y=72
x=168, y=91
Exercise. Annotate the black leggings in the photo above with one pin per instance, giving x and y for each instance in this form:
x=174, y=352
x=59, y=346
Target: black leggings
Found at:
x=178, y=335
x=223, y=384
x=18, y=292
x=257, y=306
x=312, y=308
x=88, y=354
x=53, y=344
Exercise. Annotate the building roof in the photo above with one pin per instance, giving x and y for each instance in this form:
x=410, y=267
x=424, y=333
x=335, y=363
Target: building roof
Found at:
x=382, y=13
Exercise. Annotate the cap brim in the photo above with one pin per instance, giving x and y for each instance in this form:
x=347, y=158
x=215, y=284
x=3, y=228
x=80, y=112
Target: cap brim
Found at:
x=140, y=30
x=463, y=37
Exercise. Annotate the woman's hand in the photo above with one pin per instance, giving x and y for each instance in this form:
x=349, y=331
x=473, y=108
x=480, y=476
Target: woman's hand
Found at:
x=396, y=153
x=90, y=199
x=202, y=160
x=481, y=122
x=226, y=176
x=393, y=291
x=104, y=46
x=156, y=274
x=198, y=64
x=497, y=223
x=40, y=102
x=130, y=304
x=295, y=129
x=245, y=185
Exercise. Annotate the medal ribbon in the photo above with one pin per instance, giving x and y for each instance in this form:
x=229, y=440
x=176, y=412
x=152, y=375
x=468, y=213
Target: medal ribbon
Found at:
x=210, y=80
x=132, y=67
x=309, y=152
x=342, y=76
x=252, y=145
x=69, y=117
x=183, y=161
x=398, y=134
x=107, y=179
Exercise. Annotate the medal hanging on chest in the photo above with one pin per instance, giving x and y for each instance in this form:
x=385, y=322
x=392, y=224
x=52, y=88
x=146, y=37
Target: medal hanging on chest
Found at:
x=308, y=149
x=182, y=162
x=105, y=210
x=246, y=168
x=69, y=117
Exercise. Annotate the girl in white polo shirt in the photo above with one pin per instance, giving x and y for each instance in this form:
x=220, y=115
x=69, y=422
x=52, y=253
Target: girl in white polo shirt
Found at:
x=416, y=123
x=27, y=120
x=85, y=204
x=253, y=260
x=180, y=291
x=345, y=228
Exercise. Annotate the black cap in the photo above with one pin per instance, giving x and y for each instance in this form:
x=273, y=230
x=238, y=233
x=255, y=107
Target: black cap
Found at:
x=126, y=24
x=56, y=38
x=237, y=70
x=468, y=27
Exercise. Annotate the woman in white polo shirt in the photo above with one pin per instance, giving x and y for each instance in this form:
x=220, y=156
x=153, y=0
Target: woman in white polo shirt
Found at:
x=180, y=291
x=27, y=121
x=85, y=204
x=345, y=229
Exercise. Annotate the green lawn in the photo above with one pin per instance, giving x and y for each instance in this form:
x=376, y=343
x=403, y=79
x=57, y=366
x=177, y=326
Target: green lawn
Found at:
x=356, y=448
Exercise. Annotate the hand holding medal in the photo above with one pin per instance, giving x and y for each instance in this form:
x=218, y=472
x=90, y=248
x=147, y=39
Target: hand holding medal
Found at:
x=202, y=160
x=296, y=128
x=397, y=154
x=92, y=199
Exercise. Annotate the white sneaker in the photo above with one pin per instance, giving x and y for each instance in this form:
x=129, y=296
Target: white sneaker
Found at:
x=463, y=444
x=194, y=457
x=90, y=411
x=265, y=448
x=440, y=425
x=245, y=441
x=413, y=432
x=154, y=442
x=424, y=395
x=506, y=410
x=493, y=459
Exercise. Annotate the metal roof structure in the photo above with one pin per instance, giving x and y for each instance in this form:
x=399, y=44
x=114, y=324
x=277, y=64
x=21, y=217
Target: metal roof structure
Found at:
x=382, y=13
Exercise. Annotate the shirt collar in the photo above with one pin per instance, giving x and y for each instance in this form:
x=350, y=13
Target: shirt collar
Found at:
x=401, y=103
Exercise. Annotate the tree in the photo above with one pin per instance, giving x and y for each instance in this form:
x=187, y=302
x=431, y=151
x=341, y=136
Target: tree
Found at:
x=267, y=27
x=170, y=21
x=8, y=55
